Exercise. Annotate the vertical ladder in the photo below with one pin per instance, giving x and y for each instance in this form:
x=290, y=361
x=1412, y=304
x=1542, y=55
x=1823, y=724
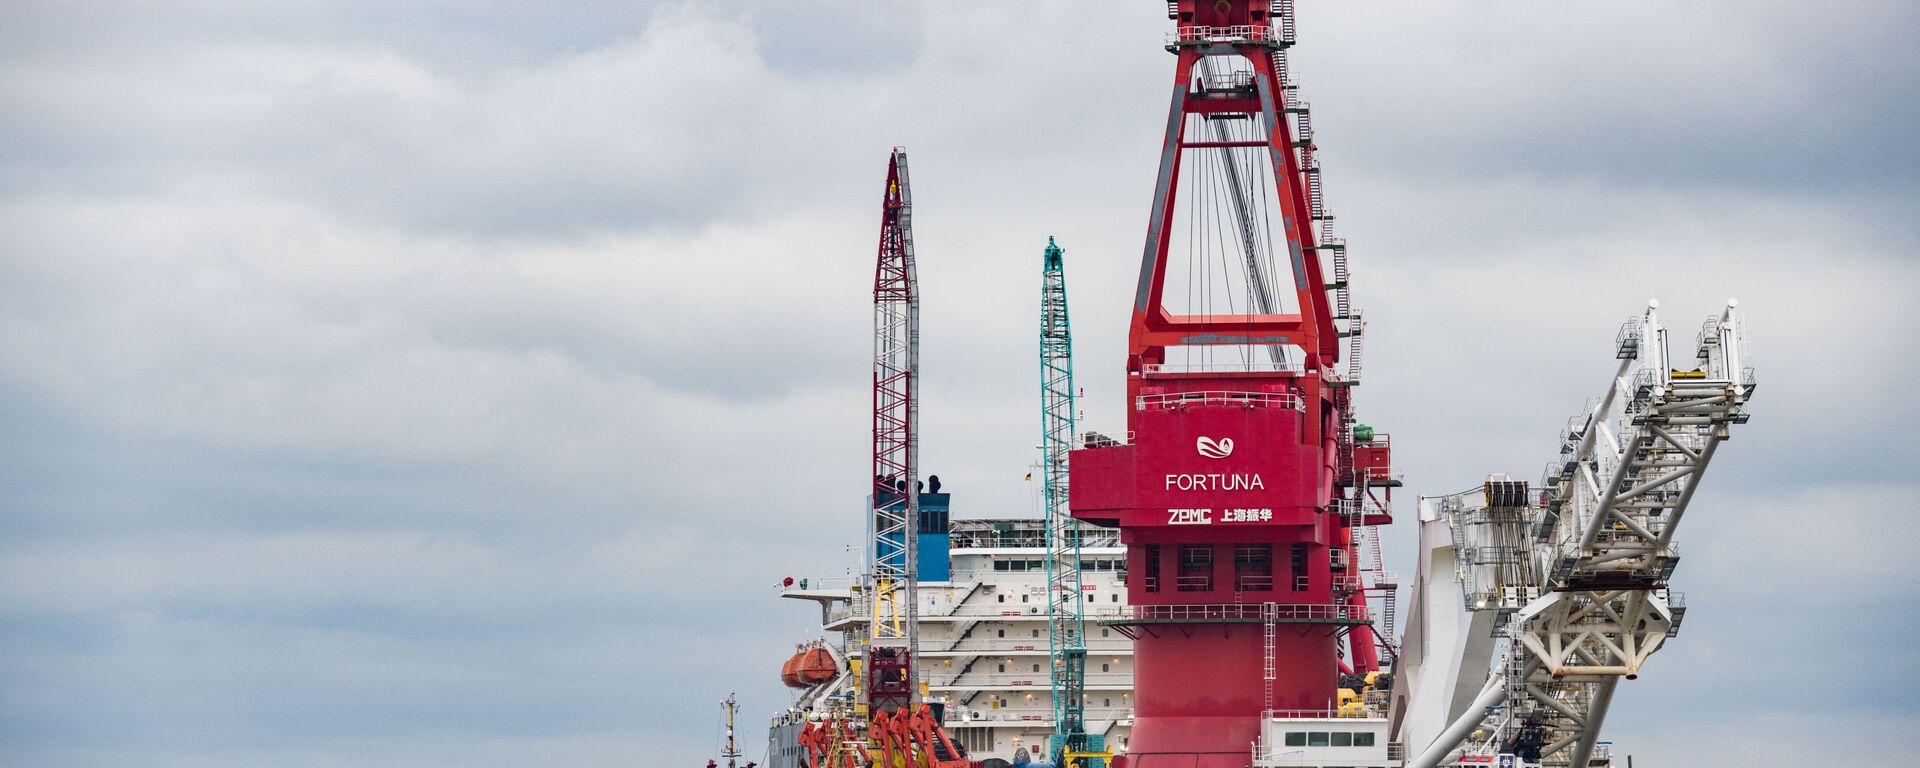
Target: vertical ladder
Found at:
x=1355, y=345
x=1316, y=196
x=1389, y=605
x=1269, y=620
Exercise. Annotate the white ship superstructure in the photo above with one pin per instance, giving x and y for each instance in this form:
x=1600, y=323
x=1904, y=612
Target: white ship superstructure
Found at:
x=983, y=641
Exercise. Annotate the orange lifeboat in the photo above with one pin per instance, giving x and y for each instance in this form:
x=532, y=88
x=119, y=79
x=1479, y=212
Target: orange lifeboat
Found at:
x=816, y=666
x=790, y=673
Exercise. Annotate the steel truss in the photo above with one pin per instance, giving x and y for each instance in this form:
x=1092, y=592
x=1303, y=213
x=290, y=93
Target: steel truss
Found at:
x=1579, y=572
x=1066, y=625
x=896, y=502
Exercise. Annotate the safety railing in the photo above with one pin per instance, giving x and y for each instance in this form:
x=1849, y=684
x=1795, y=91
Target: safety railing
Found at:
x=1236, y=33
x=1088, y=539
x=813, y=582
x=1235, y=611
x=861, y=610
x=1227, y=81
x=1383, y=475
x=1028, y=680
x=1230, y=363
x=975, y=714
x=1194, y=583
x=1249, y=583
x=1175, y=400
x=1319, y=714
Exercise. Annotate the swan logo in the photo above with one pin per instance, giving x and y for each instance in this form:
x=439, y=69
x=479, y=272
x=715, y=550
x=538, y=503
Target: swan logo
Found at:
x=1214, y=449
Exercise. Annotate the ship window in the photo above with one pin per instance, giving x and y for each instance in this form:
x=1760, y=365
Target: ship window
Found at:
x=1253, y=568
x=1034, y=565
x=1342, y=739
x=1116, y=598
x=1103, y=633
x=1152, y=555
x=1036, y=633
x=1106, y=702
x=1003, y=667
x=1196, y=568
x=1036, y=667
x=1317, y=738
x=1003, y=633
x=1002, y=565
x=1023, y=598
x=1003, y=598
x=1105, y=668
x=1296, y=738
x=1299, y=567
x=1363, y=739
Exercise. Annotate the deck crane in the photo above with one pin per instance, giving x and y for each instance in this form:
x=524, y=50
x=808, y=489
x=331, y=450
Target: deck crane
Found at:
x=1066, y=625
x=1235, y=489
x=1573, y=576
x=893, y=566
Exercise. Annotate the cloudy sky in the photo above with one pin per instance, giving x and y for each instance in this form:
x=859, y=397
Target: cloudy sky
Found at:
x=450, y=383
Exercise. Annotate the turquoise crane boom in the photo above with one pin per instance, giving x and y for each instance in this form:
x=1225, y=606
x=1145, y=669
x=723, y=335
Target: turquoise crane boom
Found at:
x=1066, y=626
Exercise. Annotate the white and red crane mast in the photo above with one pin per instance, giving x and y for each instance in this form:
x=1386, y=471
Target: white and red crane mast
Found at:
x=893, y=557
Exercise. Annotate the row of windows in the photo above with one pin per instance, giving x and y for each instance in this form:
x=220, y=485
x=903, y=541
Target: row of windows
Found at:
x=1329, y=739
x=1113, y=596
x=1036, y=633
x=1252, y=568
x=1037, y=565
x=1104, y=667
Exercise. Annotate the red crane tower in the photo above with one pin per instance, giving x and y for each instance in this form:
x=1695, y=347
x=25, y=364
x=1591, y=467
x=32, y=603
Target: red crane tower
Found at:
x=893, y=568
x=1236, y=491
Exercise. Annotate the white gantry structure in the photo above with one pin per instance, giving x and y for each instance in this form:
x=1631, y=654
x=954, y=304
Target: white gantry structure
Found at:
x=1566, y=584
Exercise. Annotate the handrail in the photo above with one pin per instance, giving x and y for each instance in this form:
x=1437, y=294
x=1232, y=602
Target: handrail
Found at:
x=1320, y=714
x=1174, y=400
x=1236, y=611
x=1200, y=33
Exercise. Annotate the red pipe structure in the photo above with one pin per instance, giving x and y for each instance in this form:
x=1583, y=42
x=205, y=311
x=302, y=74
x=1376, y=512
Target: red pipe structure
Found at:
x=1231, y=493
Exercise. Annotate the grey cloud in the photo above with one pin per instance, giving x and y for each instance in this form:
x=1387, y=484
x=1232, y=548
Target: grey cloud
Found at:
x=433, y=386
x=1740, y=95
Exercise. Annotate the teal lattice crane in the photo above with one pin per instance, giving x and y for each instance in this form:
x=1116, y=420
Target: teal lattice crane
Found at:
x=1066, y=626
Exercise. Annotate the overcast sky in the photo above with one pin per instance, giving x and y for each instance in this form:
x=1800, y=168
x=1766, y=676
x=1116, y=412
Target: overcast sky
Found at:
x=450, y=383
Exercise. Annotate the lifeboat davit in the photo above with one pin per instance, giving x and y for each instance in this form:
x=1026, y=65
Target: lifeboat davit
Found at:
x=790, y=672
x=816, y=667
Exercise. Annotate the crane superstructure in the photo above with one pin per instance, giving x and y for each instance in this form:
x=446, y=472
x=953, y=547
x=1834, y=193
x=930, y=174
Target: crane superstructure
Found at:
x=1066, y=623
x=1572, y=577
x=1239, y=488
x=893, y=551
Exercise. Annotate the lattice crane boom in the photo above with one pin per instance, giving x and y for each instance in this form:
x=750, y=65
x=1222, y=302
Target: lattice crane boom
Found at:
x=1066, y=627
x=1577, y=573
x=893, y=566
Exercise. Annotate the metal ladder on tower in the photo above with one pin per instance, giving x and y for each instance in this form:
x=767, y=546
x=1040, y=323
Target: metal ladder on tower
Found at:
x=1336, y=247
x=1282, y=11
x=1269, y=620
x=1356, y=344
x=1389, y=595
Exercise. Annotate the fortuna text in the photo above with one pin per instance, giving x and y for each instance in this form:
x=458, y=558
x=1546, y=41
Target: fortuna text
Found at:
x=1216, y=482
